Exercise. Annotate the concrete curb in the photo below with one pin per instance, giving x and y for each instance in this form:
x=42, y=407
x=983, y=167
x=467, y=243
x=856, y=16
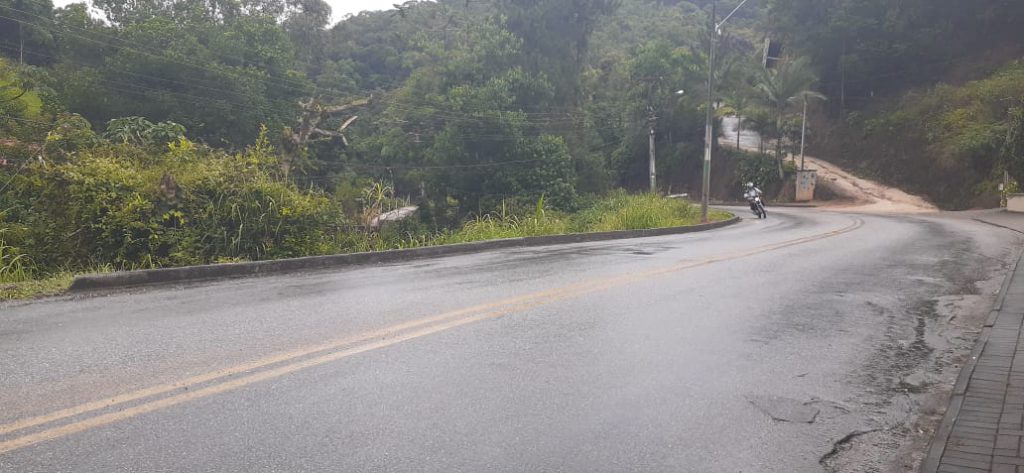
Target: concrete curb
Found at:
x=938, y=444
x=986, y=222
x=771, y=204
x=126, y=279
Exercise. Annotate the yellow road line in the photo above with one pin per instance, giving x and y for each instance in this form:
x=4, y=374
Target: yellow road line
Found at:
x=359, y=344
x=261, y=363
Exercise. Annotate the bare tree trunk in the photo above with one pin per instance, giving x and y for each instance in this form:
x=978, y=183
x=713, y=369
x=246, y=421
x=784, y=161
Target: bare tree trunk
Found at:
x=21, y=45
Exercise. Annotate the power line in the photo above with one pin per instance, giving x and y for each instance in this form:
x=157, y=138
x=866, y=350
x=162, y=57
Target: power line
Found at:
x=290, y=84
x=282, y=82
x=14, y=48
x=197, y=100
x=473, y=116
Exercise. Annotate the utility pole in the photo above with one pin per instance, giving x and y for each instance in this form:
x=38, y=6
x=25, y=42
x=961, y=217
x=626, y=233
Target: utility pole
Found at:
x=652, y=167
x=803, y=134
x=652, y=120
x=1006, y=189
x=716, y=27
x=709, y=124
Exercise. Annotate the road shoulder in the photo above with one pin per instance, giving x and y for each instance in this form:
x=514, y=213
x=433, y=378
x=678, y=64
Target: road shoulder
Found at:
x=983, y=428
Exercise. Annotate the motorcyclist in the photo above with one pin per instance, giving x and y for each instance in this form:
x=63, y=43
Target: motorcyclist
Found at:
x=751, y=193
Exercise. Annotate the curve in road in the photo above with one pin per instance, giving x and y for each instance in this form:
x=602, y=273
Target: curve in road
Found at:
x=673, y=353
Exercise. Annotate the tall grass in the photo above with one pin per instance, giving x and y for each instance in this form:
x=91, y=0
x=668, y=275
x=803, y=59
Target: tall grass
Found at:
x=15, y=266
x=622, y=211
x=619, y=211
x=507, y=224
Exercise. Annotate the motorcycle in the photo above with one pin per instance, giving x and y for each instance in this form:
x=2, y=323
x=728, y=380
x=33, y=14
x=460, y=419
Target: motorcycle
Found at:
x=757, y=206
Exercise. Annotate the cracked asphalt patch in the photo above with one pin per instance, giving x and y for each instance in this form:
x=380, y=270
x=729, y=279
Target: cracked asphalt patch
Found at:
x=906, y=381
x=785, y=409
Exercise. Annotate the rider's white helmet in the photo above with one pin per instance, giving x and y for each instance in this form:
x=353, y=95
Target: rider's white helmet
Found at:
x=750, y=184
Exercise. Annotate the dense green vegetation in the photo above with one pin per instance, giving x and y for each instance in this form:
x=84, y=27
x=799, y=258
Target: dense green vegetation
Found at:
x=922, y=93
x=949, y=142
x=135, y=141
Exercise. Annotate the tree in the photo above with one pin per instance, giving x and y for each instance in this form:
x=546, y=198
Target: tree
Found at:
x=24, y=31
x=220, y=75
x=1013, y=149
x=657, y=72
x=305, y=22
x=779, y=86
x=460, y=127
x=308, y=131
x=865, y=47
x=556, y=37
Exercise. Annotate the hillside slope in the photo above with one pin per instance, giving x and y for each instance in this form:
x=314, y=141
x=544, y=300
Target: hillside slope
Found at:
x=944, y=141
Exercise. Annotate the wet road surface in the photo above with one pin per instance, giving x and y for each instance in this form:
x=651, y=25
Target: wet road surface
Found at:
x=811, y=341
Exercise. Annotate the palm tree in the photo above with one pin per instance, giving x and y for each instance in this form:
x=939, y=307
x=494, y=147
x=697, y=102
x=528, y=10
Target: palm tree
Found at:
x=804, y=97
x=780, y=86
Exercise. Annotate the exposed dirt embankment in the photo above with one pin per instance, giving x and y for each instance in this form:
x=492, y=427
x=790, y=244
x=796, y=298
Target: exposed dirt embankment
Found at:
x=864, y=195
x=855, y=193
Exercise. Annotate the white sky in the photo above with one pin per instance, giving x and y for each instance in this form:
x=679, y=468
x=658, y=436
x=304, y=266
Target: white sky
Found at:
x=339, y=8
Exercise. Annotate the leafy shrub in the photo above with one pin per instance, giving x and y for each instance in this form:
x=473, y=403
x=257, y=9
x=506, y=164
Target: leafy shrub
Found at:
x=141, y=132
x=761, y=169
x=126, y=206
x=69, y=134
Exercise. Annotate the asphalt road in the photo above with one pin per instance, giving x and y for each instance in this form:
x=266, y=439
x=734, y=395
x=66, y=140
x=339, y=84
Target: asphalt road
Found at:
x=664, y=354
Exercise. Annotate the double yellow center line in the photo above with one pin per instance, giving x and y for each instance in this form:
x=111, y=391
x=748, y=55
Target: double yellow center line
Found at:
x=235, y=377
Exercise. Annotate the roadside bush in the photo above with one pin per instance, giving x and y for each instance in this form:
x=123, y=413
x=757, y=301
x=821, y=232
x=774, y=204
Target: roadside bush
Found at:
x=618, y=211
x=761, y=169
x=622, y=211
x=128, y=207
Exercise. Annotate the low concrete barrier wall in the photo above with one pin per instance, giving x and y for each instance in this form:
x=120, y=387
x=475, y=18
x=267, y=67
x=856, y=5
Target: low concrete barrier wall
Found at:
x=1015, y=203
x=147, y=277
